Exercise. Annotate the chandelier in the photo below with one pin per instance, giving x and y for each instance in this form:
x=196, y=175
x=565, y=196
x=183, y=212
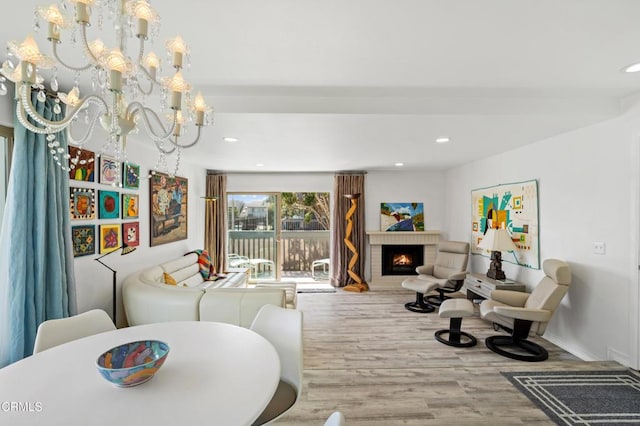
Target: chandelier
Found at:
x=121, y=79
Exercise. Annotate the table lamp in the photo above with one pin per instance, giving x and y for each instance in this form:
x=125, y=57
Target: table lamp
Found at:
x=125, y=250
x=497, y=240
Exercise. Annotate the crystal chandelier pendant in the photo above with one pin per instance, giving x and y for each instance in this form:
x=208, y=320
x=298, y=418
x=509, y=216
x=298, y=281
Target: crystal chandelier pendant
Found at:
x=117, y=78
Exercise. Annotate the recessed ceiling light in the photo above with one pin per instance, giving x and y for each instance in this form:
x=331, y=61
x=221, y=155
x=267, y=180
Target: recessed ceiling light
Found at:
x=399, y=164
x=443, y=140
x=633, y=68
x=259, y=165
x=228, y=139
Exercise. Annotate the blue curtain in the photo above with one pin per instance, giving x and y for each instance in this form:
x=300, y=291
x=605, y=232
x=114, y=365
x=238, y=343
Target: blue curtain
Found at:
x=36, y=257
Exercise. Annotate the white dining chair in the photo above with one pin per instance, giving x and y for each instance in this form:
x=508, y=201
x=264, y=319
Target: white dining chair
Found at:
x=335, y=419
x=283, y=328
x=58, y=331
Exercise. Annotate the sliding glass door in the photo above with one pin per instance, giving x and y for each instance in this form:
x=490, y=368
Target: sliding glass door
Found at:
x=281, y=235
x=253, y=234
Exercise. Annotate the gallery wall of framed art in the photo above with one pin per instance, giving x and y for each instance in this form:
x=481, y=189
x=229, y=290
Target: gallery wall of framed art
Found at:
x=103, y=214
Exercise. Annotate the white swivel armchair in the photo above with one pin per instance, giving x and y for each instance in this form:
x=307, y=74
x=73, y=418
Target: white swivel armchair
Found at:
x=524, y=314
x=445, y=276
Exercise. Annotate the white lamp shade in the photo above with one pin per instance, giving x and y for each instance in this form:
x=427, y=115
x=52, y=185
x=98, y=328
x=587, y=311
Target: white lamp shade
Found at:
x=497, y=240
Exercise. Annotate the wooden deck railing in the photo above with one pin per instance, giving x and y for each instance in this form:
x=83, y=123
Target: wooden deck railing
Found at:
x=299, y=248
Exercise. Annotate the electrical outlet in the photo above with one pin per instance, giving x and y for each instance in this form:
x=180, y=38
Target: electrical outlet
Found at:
x=598, y=247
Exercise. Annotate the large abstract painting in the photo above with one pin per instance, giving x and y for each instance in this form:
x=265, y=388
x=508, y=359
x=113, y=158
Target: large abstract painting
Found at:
x=515, y=207
x=168, y=208
x=402, y=216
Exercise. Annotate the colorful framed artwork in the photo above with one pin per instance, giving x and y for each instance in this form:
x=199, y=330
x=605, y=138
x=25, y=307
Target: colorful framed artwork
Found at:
x=513, y=206
x=109, y=169
x=131, y=234
x=82, y=164
x=84, y=240
x=108, y=205
x=402, y=217
x=168, y=206
x=129, y=206
x=82, y=203
x=131, y=176
x=109, y=238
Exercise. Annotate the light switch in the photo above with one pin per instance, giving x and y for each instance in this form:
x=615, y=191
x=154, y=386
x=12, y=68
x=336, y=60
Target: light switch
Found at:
x=598, y=247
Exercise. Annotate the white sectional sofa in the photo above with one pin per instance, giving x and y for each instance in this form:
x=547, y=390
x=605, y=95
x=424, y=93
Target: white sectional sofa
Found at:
x=148, y=299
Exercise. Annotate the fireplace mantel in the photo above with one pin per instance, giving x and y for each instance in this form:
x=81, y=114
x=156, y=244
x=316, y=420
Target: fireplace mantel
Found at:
x=400, y=237
x=379, y=238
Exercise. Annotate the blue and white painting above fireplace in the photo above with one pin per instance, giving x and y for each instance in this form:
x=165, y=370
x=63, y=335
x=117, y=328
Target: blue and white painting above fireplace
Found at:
x=402, y=217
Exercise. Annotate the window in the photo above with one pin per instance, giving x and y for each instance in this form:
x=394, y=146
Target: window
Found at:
x=6, y=150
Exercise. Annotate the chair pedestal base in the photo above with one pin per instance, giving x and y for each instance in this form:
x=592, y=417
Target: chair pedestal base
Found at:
x=497, y=343
x=419, y=305
x=524, y=350
x=455, y=335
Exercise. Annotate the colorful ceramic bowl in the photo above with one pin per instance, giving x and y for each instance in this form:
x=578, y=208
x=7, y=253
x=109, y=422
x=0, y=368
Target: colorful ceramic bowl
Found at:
x=132, y=363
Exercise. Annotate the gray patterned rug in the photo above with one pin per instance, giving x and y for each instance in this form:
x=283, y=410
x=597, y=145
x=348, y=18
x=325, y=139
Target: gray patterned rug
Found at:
x=583, y=397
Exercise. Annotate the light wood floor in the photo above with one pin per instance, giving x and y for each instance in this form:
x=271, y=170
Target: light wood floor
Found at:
x=379, y=364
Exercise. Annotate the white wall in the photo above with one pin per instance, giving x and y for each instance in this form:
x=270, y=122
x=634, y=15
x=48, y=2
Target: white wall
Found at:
x=93, y=280
x=587, y=183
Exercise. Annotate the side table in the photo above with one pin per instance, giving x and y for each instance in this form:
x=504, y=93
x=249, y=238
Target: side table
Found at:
x=481, y=286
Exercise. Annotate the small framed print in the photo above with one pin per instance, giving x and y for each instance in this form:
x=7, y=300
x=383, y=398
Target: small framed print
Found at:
x=109, y=238
x=84, y=240
x=131, y=234
x=82, y=164
x=131, y=176
x=82, y=203
x=129, y=206
x=109, y=170
x=108, y=205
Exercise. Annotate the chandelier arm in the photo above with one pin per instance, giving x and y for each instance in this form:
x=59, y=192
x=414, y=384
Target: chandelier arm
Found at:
x=85, y=46
x=49, y=126
x=162, y=149
x=151, y=85
x=64, y=64
x=136, y=108
x=189, y=145
x=86, y=135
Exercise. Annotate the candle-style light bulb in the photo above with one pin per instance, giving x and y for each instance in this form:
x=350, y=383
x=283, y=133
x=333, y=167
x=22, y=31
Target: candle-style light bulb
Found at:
x=201, y=107
x=178, y=48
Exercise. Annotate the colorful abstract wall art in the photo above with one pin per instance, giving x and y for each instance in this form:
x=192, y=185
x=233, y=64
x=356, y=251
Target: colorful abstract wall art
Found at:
x=131, y=233
x=109, y=170
x=515, y=207
x=109, y=238
x=84, y=240
x=168, y=206
x=82, y=163
x=402, y=216
x=82, y=203
x=131, y=176
x=129, y=206
x=108, y=205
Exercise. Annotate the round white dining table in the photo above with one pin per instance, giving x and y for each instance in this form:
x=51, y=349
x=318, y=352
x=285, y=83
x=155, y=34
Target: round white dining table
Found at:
x=215, y=374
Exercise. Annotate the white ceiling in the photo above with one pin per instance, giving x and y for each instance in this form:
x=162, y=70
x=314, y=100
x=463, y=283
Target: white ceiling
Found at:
x=326, y=85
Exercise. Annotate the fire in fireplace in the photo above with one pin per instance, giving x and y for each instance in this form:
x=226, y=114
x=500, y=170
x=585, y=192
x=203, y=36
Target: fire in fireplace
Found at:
x=401, y=259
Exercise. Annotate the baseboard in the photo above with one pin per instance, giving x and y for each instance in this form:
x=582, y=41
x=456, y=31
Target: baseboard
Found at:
x=612, y=354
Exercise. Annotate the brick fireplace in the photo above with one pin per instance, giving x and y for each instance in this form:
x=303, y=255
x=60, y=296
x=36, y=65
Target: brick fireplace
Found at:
x=427, y=239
